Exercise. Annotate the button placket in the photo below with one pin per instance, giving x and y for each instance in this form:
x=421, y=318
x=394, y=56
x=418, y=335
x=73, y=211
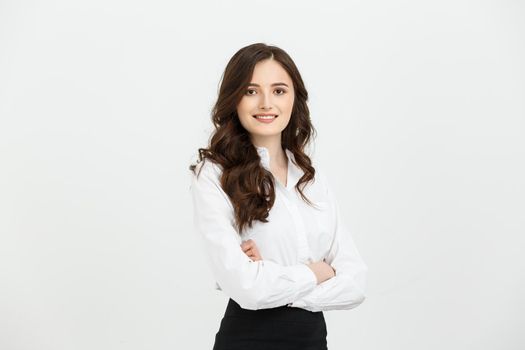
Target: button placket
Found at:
x=303, y=248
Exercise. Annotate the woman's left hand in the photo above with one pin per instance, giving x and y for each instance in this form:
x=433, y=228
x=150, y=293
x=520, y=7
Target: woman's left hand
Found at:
x=250, y=248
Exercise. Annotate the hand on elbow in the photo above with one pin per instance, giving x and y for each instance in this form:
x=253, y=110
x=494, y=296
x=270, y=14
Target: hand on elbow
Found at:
x=250, y=248
x=322, y=270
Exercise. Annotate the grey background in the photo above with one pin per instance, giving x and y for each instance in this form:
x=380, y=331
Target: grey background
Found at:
x=420, y=113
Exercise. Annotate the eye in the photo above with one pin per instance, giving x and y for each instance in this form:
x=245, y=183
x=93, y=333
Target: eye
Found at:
x=282, y=91
x=247, y=91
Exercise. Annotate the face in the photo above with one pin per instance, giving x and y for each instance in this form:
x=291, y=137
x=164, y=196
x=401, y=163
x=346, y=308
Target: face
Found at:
x=270, y=92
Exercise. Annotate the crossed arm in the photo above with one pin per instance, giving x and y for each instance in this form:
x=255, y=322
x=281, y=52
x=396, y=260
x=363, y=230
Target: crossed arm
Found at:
x=340, y=291
x=263, y=283
x=321, y=269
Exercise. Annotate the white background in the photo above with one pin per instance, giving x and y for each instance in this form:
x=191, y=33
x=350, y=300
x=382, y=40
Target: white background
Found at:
x=420, y=113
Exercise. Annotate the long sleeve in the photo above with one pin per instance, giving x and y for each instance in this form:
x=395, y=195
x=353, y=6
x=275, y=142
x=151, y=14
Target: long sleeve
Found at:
x=346, y=289
x=252, y=284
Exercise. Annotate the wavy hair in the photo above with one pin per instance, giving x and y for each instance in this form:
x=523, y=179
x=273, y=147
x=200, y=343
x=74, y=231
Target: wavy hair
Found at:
x=247, y=183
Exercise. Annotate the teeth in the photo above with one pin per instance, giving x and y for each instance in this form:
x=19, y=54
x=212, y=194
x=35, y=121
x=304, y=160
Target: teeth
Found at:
x=265, y=116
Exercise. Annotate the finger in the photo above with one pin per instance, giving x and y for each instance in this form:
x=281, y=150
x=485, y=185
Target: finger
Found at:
x=253, y=256
x=247, y=244
x=250, y=253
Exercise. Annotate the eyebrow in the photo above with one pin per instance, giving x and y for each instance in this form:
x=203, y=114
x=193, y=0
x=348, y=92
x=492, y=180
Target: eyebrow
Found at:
x=274, y=84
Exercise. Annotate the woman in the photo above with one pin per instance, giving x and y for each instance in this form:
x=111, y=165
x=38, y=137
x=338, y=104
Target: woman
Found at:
x=268, y=219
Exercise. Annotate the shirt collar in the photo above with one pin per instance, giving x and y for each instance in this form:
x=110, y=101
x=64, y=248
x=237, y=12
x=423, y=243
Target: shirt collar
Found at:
x=294, y=172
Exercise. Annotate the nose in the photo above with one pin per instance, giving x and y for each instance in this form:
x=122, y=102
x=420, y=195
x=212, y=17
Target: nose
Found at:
x=265, y=103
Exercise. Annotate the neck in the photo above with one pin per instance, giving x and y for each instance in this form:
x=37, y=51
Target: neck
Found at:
x=275, y=150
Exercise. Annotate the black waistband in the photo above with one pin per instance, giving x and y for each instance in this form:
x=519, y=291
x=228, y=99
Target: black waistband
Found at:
x=281, y=313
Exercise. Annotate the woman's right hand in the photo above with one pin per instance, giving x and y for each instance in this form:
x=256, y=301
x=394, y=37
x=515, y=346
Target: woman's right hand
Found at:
x=322, y=270
x=250, y=248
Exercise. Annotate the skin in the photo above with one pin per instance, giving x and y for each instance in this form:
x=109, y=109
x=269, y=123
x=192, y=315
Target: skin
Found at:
x=274, y=94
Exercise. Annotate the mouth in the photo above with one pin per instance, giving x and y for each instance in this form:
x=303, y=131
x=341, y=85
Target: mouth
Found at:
x=265, y=116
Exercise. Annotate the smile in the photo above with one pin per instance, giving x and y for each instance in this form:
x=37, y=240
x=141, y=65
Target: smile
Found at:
x=265, y=118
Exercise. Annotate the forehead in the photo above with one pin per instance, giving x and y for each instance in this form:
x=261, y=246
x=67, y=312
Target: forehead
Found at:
x=270, y=71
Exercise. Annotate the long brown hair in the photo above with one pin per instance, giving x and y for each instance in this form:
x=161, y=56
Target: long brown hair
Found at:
x=250, y=186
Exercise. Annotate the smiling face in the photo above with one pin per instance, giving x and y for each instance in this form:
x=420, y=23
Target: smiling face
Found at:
x=270, y=92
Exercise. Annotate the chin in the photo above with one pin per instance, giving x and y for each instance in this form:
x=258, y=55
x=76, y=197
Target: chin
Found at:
x=266, y=132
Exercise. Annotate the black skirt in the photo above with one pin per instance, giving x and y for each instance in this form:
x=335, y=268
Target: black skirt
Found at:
x=283, y=327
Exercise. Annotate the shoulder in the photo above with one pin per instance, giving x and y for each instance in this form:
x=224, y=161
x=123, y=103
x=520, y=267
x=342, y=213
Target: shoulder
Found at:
x=206, y=185
x=207, y=169
x=206, y=177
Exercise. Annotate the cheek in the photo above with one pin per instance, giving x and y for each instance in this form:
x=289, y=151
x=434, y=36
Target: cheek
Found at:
x=244, y=109
x=287, y=104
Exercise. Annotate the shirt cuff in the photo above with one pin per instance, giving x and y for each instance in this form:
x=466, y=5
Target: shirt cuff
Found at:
x=304, y=273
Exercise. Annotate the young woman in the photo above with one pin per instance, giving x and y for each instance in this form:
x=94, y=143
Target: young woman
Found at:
x=269, y=221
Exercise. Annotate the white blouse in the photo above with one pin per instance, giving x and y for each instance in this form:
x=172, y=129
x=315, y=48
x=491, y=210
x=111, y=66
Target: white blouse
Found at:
x=295, y=235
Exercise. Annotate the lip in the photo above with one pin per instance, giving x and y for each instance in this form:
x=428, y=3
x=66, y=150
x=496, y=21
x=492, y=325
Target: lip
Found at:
x=266, y=121
x=265, y=114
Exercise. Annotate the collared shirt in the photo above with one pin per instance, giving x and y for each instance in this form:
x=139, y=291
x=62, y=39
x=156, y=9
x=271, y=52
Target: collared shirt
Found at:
x=296, y=234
